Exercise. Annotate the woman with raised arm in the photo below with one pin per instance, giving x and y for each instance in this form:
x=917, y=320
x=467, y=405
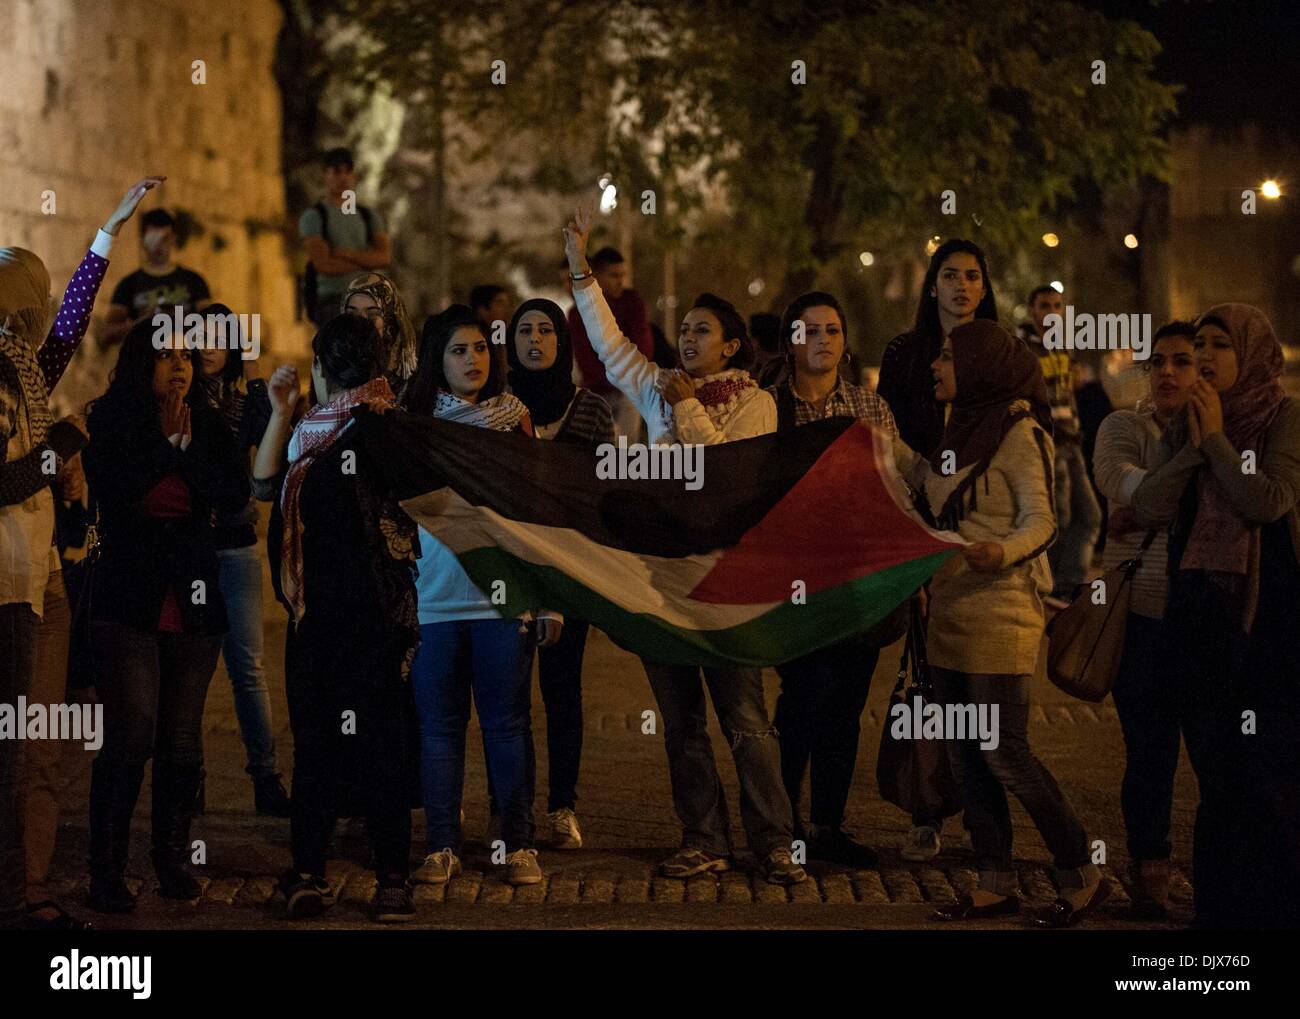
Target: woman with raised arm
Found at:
x=344, y=553
x=35, y=617
x=990, y=479
x=710, y=399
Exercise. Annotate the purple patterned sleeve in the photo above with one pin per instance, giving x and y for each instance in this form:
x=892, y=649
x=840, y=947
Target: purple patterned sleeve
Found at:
x=73, y=318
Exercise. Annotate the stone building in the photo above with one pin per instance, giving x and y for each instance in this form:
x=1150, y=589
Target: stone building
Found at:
x=95, y=94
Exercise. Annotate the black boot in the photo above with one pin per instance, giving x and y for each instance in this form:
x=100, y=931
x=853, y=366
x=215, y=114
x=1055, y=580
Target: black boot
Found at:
x=269, y=796
x=114, y=789
x=175, y=792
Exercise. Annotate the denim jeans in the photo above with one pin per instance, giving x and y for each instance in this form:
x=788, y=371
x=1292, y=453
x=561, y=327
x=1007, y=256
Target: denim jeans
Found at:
x=17, y=660
x=984, y=778
x=698, y=796
x=1078, y=518
x=1149, y=699
x=818, y=716
x=559, y=674
x=240, y=571
x=492, y=660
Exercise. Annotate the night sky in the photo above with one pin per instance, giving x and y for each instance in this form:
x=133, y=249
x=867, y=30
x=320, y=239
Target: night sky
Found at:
x=1239, y=60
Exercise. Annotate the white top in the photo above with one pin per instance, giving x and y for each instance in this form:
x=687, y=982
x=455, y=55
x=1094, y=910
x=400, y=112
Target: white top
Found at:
x=752, y=412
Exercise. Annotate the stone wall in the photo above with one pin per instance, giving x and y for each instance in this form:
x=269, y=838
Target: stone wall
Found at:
x=96, y=93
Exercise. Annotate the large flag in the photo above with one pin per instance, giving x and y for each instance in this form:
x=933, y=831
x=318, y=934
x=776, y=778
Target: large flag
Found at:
x=792, y=541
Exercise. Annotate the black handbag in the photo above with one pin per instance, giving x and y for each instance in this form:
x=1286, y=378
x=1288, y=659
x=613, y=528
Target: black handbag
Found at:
x=78, y=579
x=914, y=774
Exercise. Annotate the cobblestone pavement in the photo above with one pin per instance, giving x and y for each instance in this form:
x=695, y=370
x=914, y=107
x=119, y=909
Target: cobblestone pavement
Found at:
x=628, y=826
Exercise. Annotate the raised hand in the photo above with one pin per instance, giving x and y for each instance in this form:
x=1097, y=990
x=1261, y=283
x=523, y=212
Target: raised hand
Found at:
x=575, y=239
x=175, y=415
x=675, y=386
x=282, y=390
x=1205, y=412
x=127, y=206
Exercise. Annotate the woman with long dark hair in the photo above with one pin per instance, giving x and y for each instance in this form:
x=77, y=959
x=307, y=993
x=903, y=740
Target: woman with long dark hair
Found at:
x=540, y=353
x=466, y=647
x=990, y=479
x=344, y=555
x=956, y=290
x=244, y=407
x=160, y=462
x=1231, y=487
x=710, y=399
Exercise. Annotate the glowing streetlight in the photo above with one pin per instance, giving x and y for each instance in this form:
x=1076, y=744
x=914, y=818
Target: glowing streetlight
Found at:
x=1271, y=189
x=1130, y=241
x=867, y=258
x=755, y=287
x=1051, y=240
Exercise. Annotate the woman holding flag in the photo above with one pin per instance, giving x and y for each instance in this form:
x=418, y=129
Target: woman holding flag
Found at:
x=710, y=399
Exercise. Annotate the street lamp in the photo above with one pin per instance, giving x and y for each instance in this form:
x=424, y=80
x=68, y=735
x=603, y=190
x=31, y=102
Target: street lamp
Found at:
x=1130, y=241
x=1051, y=240
x=1271, y=189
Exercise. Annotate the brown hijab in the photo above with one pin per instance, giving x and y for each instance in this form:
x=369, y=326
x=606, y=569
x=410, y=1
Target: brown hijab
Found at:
x=993, y=371
x=1219, y=539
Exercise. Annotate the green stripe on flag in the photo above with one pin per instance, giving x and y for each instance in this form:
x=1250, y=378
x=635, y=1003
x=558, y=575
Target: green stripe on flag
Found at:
x=784, y=632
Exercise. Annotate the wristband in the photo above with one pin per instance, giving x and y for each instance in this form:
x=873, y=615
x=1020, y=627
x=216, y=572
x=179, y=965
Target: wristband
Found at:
x=578, y=277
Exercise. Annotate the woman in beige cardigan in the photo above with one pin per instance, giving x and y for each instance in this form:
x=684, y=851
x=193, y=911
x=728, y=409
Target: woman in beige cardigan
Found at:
x=991, y=480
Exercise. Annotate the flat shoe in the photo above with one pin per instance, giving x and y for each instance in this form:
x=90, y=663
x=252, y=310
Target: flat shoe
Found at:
x=1061, y=914
x=62, y=921
x=965, y=909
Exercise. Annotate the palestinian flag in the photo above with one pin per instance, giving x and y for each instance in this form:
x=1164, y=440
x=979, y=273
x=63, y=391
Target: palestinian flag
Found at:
x=792, y=542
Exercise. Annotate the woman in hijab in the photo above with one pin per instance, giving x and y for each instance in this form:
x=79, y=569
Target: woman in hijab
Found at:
x=1230, y=489
x=34, y=620
x=990, y=480
x=373, y=296
x=540, y=354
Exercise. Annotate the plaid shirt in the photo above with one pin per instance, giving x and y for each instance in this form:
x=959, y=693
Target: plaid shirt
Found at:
x=845, y=400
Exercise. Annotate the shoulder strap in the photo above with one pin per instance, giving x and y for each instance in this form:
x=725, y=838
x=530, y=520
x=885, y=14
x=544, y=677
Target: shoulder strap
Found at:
x=784, y=407
x=324, y=222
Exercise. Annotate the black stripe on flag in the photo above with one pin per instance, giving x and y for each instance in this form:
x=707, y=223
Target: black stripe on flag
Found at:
x=555, y=483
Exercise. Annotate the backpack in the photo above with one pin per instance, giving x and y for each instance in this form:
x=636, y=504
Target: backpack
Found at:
x=309, y=279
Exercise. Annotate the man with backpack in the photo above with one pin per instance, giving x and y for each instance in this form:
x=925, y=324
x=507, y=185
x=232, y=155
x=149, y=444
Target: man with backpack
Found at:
x=341, y=239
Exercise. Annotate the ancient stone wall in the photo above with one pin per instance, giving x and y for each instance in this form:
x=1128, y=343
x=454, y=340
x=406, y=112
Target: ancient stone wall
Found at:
x=96, y=93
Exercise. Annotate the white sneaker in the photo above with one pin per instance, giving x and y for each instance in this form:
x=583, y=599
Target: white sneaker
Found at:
x=522, y=868
x=437, y=869
x=564, y=829
x=922, y=845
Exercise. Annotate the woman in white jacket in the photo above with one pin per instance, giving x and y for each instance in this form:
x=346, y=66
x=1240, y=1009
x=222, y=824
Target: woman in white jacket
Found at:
x=709, y=399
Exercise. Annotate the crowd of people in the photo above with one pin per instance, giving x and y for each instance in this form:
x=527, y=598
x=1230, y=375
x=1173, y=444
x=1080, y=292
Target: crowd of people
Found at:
x=388, y=638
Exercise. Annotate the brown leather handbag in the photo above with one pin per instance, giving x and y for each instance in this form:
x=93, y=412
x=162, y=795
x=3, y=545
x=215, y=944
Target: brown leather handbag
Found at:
x=1086, y=641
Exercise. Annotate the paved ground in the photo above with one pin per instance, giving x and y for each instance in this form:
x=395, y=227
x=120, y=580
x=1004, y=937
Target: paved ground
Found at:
x=628, y=825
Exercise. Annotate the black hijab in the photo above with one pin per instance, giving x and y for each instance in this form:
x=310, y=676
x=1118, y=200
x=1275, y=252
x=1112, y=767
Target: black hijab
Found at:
x=546, y=393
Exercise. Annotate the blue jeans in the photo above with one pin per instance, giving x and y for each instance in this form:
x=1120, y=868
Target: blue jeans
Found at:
x=492, y=659
x=240, y=571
